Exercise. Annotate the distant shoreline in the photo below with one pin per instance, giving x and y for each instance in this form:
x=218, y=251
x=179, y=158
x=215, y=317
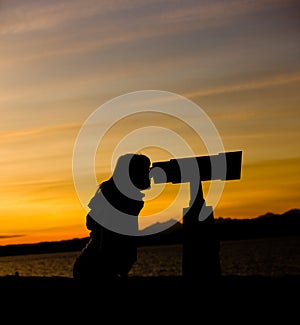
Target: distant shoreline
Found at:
x=268, y=225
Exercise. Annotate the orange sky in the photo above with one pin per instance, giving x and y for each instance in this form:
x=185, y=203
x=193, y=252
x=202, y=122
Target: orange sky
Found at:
x=61, y=60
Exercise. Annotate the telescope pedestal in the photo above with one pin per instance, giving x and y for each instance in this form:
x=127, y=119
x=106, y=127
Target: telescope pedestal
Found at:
x=200, y=246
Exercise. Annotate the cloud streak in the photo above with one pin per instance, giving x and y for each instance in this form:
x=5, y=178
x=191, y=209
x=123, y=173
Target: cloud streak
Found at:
x=165, y=20
x=37, y=131
x=273, y=81
x=11, y=236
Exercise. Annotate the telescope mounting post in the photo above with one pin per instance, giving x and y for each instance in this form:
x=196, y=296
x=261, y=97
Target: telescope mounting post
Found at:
x=200, y=246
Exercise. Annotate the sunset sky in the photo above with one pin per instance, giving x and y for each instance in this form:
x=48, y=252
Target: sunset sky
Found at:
x=61, y=60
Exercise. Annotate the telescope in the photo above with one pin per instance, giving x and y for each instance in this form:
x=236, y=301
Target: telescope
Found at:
x=223, y=166
x=200, y=246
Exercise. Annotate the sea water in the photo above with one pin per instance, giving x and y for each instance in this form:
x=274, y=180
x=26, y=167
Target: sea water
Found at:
x=276, y=256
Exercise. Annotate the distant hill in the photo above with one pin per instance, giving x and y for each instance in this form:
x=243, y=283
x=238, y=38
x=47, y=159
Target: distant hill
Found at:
x=268, y=225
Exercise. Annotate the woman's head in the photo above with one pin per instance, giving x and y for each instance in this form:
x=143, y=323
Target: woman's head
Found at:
x=132, y=171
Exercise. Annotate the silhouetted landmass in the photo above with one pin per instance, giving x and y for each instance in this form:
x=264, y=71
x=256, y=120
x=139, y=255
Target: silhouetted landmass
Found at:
x=75, y=244
x=268, y=225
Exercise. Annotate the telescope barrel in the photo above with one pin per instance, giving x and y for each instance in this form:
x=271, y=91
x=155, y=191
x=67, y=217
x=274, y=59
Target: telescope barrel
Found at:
x=222, y=166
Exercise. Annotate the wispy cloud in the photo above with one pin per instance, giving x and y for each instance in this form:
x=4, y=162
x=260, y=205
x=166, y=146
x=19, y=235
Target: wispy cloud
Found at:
x=100, y=21
x=11, y=236
x=20, y=134
x=31, y=16
x=251, y=85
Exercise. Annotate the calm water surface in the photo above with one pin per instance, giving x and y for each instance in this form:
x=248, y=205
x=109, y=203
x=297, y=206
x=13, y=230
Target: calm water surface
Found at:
x=267, y=256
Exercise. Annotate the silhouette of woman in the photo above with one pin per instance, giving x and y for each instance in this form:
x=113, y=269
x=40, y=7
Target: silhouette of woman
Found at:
x=113, y=222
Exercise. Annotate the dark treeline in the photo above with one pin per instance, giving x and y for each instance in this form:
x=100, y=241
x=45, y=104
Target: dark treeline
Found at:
x=268, y=225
